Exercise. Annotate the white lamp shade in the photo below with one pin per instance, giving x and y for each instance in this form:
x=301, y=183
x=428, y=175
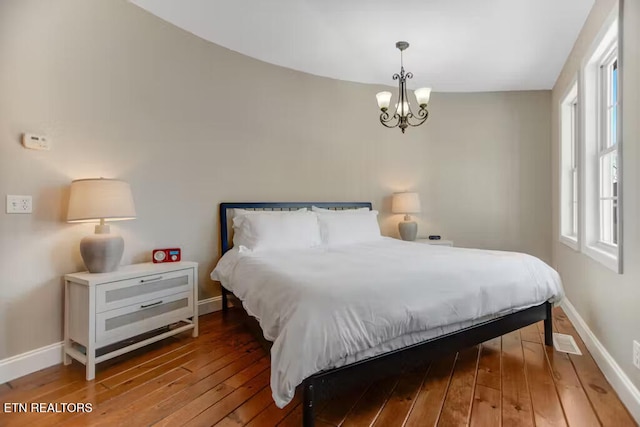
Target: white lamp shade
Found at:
x=403, y=109
x=405, y=203
x=422, y=95
x=98, y=198
x=384, y=99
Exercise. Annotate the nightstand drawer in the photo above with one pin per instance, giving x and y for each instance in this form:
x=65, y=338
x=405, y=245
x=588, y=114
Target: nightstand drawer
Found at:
x=123, y=293
x=125, y=322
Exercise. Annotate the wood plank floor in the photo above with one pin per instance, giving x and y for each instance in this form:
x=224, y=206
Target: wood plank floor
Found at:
x=222, y=378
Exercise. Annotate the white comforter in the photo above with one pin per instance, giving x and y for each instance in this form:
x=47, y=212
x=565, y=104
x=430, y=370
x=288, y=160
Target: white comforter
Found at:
x=325, y=307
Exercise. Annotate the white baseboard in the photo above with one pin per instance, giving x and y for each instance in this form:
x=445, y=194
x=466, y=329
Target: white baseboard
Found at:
x=31, y=361
x=26, y=363
x=621, y=383
x=209, y=305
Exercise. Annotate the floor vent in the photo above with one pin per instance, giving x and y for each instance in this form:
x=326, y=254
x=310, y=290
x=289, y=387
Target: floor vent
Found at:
x=565, y=344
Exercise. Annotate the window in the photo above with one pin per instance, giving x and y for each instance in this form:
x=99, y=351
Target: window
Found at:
x=569, y=138
x=598, y=151
x=573, y=228
x=608, y=151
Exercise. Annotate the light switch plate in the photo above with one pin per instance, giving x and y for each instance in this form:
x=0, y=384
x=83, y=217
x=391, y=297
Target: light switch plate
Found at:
x=19, y=204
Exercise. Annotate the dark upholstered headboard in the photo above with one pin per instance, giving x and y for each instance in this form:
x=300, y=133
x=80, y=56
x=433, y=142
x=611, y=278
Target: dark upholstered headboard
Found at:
x=225, y=211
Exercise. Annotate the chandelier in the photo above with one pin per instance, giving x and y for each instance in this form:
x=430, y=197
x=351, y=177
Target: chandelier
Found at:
x=403, y=116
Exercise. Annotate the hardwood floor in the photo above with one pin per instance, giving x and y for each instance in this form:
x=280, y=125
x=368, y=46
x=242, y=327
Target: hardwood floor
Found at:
x=222, y=379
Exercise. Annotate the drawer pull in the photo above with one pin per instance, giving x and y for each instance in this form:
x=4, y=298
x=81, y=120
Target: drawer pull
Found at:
x=153, y=279
x=151, y=305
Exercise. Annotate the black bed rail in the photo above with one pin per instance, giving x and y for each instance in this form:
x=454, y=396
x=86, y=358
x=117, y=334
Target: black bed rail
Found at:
x=326, y=383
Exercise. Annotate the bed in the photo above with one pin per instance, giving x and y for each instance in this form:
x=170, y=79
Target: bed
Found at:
x=341, y=314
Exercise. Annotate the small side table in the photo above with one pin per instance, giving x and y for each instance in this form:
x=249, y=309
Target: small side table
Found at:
x=109, y=314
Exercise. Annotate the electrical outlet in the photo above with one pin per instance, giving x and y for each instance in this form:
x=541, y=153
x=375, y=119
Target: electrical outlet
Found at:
x=636, y=354
x=19, y=204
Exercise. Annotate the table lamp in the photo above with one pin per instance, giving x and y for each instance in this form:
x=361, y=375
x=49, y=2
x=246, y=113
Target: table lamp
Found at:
x=406, y=203
x=99, y=199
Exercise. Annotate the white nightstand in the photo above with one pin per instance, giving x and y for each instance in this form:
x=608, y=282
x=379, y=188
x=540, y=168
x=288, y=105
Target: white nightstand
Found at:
x=436, y=242
x=106, y=313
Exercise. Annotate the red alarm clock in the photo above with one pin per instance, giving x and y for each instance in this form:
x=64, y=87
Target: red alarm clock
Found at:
x=166, y=255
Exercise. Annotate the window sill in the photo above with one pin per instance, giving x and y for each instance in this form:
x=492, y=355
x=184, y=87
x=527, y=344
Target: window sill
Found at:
x=572, y=242
x=603, y=255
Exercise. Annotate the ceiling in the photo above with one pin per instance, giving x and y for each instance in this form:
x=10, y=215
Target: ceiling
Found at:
x=456, y=45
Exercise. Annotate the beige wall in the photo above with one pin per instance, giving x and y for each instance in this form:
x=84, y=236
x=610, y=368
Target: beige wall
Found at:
x=190, y=124
x=607, y=301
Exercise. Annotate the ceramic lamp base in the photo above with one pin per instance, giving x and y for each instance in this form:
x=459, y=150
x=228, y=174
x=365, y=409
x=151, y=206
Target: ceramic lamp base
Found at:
x=408, y=230
x=102, y=253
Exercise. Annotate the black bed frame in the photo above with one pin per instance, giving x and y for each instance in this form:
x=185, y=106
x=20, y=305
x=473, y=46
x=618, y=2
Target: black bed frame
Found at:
x=324, y=384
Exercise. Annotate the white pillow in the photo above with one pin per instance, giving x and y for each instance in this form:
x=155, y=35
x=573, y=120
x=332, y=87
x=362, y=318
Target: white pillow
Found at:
x=348, y=227
x=323, y=210
x=259, y=231
x=239, y=238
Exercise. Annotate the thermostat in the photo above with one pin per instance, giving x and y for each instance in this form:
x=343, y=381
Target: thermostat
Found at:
x=36, y=142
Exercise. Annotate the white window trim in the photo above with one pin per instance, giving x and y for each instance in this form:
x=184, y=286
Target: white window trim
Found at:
x=570, y=241
x=572, y=93
x=599, y=252
x=589, y=88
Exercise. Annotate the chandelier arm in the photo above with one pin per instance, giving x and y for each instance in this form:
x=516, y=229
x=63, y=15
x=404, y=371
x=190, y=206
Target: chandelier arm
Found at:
x=422, y=113
x=409, y=75
x=385, y=119
x=400, y=78
x=422, y=116
x=410, y=114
